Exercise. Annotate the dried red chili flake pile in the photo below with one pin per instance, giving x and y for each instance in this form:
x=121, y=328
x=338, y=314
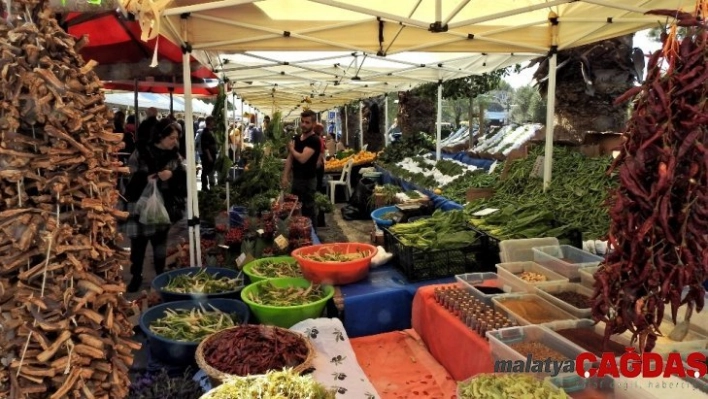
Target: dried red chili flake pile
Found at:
x=659, y=231
x=254, y=349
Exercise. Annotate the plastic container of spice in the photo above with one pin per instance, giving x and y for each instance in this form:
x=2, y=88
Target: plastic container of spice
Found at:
x=549, y=291
x=483, y=286
x=527, y=309
x=525, y=349
x=585, y=339
x=587, y=276
x=509, y=275
x=565, y=260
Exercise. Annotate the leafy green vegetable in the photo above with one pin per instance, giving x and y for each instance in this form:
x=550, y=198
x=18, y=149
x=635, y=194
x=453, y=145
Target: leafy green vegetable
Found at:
x=444, y=230
x=192, y=325
x=498, y=386
x=270, y=295
x=273, y=269
x=275, y=384
x=201, y=283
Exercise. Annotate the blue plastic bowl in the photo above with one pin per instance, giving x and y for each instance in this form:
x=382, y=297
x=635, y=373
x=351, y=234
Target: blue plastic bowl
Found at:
x=380, y=212
x=161, y=281
x=175, y=352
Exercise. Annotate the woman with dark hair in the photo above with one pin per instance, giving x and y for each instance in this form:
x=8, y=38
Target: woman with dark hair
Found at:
x=156, y=160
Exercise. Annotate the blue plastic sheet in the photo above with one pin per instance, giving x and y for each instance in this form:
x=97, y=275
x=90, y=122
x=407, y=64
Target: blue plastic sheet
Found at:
x=467, y=160
x=381, y=303
x=439, y=201
x=315, y=240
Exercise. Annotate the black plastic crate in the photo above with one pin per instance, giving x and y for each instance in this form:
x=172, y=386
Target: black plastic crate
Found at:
x=418, y=265
x=490, y=256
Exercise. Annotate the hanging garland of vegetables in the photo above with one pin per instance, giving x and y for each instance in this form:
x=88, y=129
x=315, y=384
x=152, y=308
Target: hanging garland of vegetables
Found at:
x=660, y=211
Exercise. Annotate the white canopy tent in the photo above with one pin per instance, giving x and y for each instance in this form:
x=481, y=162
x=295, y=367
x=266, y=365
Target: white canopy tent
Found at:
x=159, y=101
x=378, y=28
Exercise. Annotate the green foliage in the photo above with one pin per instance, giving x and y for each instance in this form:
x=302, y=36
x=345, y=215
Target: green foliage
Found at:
x=409, y=145
x=467, y=87
x=219, y=120
x=323, y=204
x=277, y=137
x=529, y=105
x=211, y=203
x=263, y=176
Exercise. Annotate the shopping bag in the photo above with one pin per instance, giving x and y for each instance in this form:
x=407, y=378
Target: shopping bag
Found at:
x=151, y=206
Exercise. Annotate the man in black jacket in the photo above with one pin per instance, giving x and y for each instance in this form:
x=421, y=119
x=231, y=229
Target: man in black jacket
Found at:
x=145, y=127
x=208, y=155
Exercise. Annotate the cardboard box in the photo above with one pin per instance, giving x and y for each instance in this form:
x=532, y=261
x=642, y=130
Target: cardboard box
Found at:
x=479, y=193
x=601, y=144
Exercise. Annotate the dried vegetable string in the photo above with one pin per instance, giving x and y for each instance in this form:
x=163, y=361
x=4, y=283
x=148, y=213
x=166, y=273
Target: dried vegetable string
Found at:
x=660, y=211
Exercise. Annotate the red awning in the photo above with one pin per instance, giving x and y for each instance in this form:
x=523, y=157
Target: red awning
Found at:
x=114, y=42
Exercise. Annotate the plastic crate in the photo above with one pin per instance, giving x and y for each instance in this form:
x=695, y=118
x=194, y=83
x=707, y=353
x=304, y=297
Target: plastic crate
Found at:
x=507, y=273
x=546, y=292
x=522, y=250
x=504, y=355
x=565, y=260
x=587, y=276
x=552, y=312
x=589, y=324
x=418, y=265
x=469, y=281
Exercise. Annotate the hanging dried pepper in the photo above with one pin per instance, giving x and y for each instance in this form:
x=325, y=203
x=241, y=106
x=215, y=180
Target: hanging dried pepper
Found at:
x=659, y=232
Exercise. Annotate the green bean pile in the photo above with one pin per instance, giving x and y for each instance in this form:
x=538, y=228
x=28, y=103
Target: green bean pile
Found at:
x=576, y=197
x=201, y=283
x=274, y=269
x=192, y=325
x=270, y=295
x=336, y=256
x=275, y=384
x=493, y=386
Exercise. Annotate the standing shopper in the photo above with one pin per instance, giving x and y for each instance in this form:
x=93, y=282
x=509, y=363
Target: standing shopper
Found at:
x=156, y=160
x=319, y=132
x=304, y=153
x=208, y=144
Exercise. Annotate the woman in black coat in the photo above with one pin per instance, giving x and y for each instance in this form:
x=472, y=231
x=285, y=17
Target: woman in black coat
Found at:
x=158, y=160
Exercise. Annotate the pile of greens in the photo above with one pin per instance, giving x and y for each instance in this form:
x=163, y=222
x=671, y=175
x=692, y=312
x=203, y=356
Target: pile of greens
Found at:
x=192, y=325
x=269, y=294
x=441, y=231
x=576, y=197
x=409, y=145
x=493, y=386
x=457, y=190
x=274, y=384
x=202, y=283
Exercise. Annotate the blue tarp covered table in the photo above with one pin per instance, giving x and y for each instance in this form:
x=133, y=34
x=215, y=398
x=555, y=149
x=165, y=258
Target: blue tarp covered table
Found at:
x=381, y=303
x=439, y=201
x=467, y=160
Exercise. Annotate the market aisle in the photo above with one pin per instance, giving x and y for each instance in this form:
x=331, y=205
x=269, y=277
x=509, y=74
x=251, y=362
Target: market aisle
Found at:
x=399, y=366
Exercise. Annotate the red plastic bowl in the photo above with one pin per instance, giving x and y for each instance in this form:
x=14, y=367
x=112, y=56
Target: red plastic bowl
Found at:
x=335, y=273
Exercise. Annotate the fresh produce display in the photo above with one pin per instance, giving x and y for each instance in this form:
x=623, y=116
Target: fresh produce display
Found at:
x=201, y=283
x=275, y=384
x=274, y=269
x=443, y=230
x=659, y=212
x=506, y=139
x=161, y=385
x=427, y=173
x=575, y=198
x=332, y=256
x=457, y=190
x=261, y=177
x=270, y=295
x=254, y=349
x=534, y=311
x=360, y=158
x=234, y=235
x=494, y=386
x=409, y=145
x=192, y=325
x=384, y=195
x=65, y=329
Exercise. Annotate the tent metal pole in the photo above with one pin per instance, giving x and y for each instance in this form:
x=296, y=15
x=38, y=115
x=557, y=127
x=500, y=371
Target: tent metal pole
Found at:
x=346, y=127
x=195, y=256
x=361, y=125
x=454, y=12
x=386, y=127
x=226, y=145
x=438, y=10
x=205, y=7
x=438, y=132
x=550, y=114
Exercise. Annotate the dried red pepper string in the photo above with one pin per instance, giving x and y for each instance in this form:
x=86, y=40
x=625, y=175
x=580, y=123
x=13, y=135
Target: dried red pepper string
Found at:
x=659, y=231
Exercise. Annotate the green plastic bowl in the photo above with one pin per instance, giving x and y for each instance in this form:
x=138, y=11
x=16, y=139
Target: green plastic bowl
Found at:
x=254, y=278
x=285, y=317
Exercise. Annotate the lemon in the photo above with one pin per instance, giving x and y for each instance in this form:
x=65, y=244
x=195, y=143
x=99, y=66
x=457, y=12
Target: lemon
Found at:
x=437, y=191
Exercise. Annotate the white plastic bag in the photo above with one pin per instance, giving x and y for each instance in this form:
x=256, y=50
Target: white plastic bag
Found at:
x=381, y=258
x=151, y=206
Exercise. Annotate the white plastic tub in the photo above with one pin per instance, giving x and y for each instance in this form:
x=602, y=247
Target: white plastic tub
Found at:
x=587, y=276
x=546, y=292
x=508, y=274
x=565, y=260
x=470, y=282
